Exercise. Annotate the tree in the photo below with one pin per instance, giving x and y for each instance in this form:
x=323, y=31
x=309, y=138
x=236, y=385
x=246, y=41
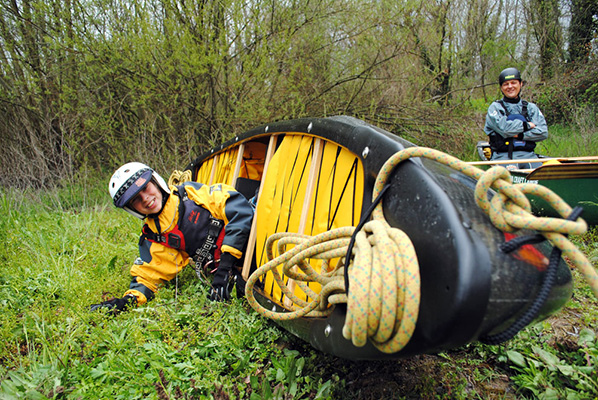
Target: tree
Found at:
x=483, y=42
x=583, y=29
x=96, y=83
x=544, y=18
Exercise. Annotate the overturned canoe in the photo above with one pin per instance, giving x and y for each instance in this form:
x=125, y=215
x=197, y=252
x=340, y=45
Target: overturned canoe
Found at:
x=313, y=175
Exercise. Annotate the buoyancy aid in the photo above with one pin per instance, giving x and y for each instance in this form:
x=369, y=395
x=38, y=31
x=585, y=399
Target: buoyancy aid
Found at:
x=196, y=232
x=502, y=145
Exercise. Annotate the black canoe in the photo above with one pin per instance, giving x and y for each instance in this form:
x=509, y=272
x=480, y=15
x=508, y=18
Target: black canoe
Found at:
x=470, y=288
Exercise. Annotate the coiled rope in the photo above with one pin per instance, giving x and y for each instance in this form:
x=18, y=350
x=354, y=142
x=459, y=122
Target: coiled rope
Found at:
x=177, y=177
x=383, y=302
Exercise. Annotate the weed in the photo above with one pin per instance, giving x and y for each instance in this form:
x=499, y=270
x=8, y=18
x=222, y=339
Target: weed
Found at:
x=64, y=255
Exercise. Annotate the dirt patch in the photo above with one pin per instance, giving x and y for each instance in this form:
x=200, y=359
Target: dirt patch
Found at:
x=565, y=328
x=426, y=376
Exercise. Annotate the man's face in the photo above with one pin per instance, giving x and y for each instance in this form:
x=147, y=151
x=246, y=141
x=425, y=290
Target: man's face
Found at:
x=148, y=201
x=511, y=88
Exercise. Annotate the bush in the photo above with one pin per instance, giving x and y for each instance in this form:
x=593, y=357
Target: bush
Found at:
x=569, y=97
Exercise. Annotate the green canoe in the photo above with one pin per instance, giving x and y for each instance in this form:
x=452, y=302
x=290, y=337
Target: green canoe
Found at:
x=574, y=179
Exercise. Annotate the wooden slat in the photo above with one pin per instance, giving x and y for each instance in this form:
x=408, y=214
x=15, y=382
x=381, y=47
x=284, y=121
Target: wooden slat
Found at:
x=238, y=163
x=253, y=232
x=316, y=162
x=565, y=171
x=309, y=190
x=213, y=173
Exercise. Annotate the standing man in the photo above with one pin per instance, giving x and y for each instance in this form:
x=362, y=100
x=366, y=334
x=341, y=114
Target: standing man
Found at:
x=513, y=125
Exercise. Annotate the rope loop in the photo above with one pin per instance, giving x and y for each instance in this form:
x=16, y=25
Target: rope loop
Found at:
x=383, y=304
x=326, y=245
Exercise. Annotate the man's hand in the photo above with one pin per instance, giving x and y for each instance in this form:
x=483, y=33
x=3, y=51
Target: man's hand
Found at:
x=220, y=291
x=114, y=306
x=487, y=153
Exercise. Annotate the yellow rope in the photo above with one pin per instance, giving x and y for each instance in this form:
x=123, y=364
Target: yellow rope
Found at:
x=383, y=303
x=177, y=177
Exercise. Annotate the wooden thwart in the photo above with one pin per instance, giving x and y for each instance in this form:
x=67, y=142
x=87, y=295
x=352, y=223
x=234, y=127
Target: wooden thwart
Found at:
x=253, y=231
x=213, y=172
x=238, y=163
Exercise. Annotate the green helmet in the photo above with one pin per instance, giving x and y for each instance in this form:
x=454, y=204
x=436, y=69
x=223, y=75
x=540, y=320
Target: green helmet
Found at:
x=509, y=74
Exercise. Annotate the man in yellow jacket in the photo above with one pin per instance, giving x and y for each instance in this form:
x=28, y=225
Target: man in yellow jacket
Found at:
x=209, y=224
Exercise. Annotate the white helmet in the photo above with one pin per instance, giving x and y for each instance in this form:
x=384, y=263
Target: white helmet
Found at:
x=129, y=180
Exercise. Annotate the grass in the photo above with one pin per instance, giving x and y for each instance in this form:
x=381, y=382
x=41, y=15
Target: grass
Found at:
x=66, y=249
x=570, y=140
x=59, y=260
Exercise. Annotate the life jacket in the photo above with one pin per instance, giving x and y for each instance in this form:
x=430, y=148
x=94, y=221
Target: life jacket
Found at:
x=196, y=232
x=504, y=145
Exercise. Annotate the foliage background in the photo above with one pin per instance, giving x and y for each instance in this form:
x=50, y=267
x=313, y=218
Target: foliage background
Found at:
x=86, y=85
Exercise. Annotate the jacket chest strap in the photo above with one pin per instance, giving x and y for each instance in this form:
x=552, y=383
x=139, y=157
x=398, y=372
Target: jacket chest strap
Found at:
x=205, y=253
x=170, y=239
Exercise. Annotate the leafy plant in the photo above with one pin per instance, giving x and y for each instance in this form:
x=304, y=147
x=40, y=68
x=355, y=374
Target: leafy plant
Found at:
x=288, y=380
x=545, y=374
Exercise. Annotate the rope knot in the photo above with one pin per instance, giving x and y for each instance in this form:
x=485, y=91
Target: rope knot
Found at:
x=508, y=201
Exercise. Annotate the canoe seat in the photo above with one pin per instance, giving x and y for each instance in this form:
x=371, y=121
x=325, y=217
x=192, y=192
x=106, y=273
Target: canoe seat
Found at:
x=247, y=187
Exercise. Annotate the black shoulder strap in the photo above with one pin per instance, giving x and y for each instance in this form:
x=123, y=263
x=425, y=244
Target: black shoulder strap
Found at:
x=502, y=103
x=524, y=109
x=182, y=193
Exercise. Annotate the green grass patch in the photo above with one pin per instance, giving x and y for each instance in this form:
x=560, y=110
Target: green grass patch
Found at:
x=570, y=141
x=64, y=251
x=61, y=256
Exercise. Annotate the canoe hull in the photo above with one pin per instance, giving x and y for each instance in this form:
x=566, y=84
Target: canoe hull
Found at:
x=575, y=190
x=469, y=287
